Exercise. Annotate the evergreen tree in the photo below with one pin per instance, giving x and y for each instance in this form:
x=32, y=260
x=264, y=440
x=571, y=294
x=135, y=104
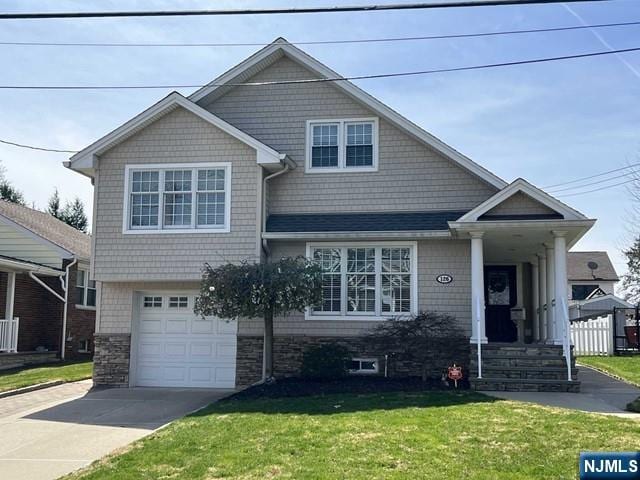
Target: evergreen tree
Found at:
x=7, y=191
x=53, y=207
x=73, y=214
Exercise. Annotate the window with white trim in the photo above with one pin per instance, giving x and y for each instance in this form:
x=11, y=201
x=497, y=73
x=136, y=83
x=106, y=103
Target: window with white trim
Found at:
x=365, y=281
x=363, y=366
x=177, y=198
x=178, y=302
x=152, y=302
x=84, y=346
x=85, y=289
x=337, y=145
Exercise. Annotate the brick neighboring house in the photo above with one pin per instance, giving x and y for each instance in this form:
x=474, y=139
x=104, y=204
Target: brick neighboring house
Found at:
x=38, y=253
x=267, y=162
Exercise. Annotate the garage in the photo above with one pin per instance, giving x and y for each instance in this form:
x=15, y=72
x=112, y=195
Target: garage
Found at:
x=176, y=348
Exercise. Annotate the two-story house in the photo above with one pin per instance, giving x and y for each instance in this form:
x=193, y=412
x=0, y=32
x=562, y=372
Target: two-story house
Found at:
x=279, y=157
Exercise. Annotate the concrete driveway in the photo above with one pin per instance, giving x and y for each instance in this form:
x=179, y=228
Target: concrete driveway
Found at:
x=48, y=433
x=599, y=393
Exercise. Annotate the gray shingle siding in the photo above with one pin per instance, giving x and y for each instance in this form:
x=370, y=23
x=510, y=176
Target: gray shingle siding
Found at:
x=411, y=176
x=178, y=137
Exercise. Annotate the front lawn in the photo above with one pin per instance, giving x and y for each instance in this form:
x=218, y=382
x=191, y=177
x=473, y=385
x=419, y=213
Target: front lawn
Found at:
x=25, y=377
x=625, y=367
x=444, y=435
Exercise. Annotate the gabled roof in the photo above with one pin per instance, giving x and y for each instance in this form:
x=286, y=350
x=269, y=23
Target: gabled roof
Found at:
x=69, y=241
x=578, y=267
x=521, y=185
x=280, y=47
x=83, y=161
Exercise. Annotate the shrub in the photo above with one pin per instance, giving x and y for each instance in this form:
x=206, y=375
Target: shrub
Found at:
x=326, y=361
x=634, y=406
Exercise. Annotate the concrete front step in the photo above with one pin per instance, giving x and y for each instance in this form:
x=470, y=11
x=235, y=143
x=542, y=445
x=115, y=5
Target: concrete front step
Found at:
x=522, y=385
x=510, y=350
x=540, y=373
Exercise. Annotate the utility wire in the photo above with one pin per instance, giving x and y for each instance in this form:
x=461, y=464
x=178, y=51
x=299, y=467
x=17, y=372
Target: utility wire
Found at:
x=593, y=176
x=31, y=147
x=597, y=189
x=278, y=11
x=597, y=182
x=320, y=80
x=328, y=42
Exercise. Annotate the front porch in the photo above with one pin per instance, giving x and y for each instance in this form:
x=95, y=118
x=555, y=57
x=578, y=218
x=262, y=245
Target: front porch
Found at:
x=520, y=333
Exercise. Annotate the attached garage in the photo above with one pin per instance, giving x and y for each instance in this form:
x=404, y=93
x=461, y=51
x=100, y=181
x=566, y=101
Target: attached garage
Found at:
x=173, y=347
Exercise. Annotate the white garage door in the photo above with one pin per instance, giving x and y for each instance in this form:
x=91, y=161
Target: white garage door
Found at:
x=176, y=348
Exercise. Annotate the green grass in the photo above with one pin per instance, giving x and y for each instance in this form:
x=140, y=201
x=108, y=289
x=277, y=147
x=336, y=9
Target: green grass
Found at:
x=376, y=436
x=25, y=377
x=625, y=367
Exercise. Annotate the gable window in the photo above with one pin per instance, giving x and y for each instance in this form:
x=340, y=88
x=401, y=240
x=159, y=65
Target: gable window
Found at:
x=581, y=292
x=85, y=289
x=365, y=281
x=342, y=145
x=177, y=198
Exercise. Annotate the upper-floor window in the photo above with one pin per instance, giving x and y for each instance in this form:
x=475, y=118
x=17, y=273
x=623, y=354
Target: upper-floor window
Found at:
x=365, y=281
x=85, y=289
x=177, y=198
x=342, y=145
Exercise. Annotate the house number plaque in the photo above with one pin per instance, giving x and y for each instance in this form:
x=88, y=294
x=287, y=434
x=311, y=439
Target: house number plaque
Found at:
x=444, y=279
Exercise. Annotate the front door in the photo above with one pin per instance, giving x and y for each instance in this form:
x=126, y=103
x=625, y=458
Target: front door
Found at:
x=500, y=297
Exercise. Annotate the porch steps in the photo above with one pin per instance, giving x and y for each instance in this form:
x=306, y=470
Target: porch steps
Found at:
x=530, y=368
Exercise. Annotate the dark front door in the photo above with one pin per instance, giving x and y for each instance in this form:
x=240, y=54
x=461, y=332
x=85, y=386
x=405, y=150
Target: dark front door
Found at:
x=500, y=297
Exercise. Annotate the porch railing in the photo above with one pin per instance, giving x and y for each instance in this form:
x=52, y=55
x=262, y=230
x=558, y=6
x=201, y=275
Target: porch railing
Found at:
x=9, y=334
x=566, y=336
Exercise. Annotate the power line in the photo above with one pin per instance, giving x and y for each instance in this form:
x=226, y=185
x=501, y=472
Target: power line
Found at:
x=597, y=189
x=279, y=11
x=597, y=182
x=552, y=187
x=320, y=80
x=329, y=42
x=31, y=147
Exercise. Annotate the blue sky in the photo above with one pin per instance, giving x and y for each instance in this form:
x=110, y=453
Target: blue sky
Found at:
x=547, y=123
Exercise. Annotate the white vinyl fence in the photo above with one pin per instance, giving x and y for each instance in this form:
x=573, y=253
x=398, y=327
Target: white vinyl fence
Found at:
x=593, y=337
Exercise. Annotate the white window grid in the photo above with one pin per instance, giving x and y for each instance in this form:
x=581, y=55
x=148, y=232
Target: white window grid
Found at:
x=86, y=288
x=194, y=196
x=391, y=288
x=152, y=301
x=357, y=133
x=178, y=302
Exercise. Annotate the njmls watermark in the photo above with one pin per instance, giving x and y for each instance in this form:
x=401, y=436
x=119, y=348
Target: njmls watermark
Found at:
x=609, y=465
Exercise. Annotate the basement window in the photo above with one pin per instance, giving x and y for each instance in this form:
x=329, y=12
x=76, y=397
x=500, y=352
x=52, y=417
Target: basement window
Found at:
x=363, y=366
x=84, y=346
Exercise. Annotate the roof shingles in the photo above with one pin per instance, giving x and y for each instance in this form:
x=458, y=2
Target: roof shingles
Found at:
x=49, y=228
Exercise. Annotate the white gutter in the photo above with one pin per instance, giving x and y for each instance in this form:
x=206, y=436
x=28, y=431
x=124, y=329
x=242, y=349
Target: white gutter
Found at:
x=288, y=165
x=64, y=300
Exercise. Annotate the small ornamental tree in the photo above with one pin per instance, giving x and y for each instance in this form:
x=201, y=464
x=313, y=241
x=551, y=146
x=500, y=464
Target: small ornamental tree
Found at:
x=262, y=290
x=419, y=339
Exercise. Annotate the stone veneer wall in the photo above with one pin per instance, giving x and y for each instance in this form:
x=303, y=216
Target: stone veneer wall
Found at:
x=288, y=352
x=111, y=359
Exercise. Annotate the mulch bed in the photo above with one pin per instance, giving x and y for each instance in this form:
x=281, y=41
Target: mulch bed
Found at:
x=302, y=387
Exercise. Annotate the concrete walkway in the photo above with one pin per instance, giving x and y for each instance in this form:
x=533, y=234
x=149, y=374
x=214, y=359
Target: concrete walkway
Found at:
x=49, y=433
x=599, y=393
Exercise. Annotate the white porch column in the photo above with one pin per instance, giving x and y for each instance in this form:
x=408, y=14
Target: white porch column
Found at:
x=11, y=295
x=542, y=305
x=535, y=298
x=551, y=293
x=477, y=288
x=560, y=316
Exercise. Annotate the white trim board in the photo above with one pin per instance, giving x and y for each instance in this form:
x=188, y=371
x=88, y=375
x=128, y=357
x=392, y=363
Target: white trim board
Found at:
x=86, y=159
x=282, y=47
x=57, y=249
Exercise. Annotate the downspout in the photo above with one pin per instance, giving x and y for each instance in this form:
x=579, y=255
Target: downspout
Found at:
x=288, y=166
x=64, y=300
x=65, y=308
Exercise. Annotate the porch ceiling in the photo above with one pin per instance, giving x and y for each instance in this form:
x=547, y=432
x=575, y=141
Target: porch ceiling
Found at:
x=518, y=241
